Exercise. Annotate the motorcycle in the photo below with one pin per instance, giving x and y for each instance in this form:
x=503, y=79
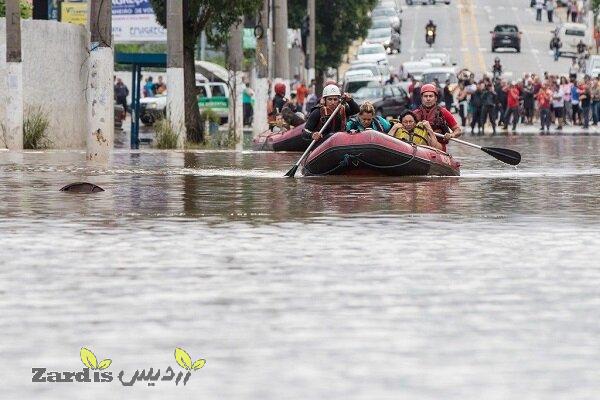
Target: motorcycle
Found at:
x=430, y=37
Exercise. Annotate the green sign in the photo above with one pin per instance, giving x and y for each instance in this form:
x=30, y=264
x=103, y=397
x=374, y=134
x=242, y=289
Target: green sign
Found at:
x=213, y=102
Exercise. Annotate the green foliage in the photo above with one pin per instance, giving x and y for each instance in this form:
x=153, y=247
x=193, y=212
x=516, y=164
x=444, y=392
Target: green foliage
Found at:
x=210, y=115
x=26, y=9
x=338, y=24
x=595, y=6
x=216, y=16
x=35, y=128
x=165, y=136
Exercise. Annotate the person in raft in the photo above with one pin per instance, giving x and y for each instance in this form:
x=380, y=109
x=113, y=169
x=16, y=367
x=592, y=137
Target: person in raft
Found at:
x=321, y=112
x=440, y=119
x=366, y=119
x=411, y=131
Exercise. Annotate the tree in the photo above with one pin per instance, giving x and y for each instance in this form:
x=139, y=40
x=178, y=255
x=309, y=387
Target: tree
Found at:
x=26, y=9
x=338, y=24
x=214, y=17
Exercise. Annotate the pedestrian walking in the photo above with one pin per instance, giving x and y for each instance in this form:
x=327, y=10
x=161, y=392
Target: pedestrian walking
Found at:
x=573, y=9
x=550, y=9
x=555, y=45
x=539, y=6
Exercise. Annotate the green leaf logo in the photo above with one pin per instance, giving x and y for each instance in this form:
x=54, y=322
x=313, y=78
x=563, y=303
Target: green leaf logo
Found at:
x=185, y=361
x=88, y=358
x=105, y=363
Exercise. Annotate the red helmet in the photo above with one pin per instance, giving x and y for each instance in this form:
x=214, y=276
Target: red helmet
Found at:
x=280, y=88
x=429, y=88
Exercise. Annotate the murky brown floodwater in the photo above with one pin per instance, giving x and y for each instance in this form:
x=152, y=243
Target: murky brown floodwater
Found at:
x=478, y=287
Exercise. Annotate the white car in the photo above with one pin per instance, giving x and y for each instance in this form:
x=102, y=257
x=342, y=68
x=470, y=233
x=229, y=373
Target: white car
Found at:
x=371, y=52
x=443, y=57
x=441, y=74
x=414, y=69
x=381, y=36
x=353, y=83
x=388, y=12
x=380, y=70
x=571, y=34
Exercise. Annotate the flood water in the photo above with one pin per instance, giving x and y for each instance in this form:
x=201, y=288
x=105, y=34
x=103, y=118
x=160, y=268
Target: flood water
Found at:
x=484, y=286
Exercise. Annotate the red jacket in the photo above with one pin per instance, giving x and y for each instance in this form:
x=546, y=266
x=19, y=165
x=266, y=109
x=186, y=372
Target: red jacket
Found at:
x=513, y=97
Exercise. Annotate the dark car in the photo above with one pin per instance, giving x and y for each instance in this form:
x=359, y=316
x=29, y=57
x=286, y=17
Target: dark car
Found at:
x=506, y=36
x=388, y=100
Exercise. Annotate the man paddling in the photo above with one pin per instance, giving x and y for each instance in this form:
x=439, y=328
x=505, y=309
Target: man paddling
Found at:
x=320, y=114
x=440, y=119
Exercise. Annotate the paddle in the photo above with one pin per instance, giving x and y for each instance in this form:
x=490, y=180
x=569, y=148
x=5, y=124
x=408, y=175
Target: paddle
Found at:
x=505, y=155
x=292, y=171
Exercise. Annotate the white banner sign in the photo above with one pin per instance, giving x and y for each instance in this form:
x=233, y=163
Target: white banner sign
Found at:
x=134, y=21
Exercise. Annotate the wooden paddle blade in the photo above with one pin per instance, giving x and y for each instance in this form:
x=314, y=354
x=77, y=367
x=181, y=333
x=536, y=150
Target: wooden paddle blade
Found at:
x=292, y=172
x=505, y=155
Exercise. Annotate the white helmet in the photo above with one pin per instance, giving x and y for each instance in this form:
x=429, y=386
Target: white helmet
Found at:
x=331, y=90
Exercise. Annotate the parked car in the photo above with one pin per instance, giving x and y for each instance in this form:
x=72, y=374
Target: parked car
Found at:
x=380, y=23
x=353, y=83
x=443, y=57
x=371, y=52
x=441, y=74
x=433, y=2
x=213, y=95
x=381, y=36
x=414, y=69
x=381, y=70
x=506, y=36
x=388, y=12
x=388, y=100
x=570, y=35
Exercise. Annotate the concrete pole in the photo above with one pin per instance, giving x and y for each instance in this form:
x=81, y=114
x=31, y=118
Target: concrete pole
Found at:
x=100, y=87
x=175, y=94
x=235, y=57
x=282, y=61
x=261, y=84
x=13, y=136
x=312, y=21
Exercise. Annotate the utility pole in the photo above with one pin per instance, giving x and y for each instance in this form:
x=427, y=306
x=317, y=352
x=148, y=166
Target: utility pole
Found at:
x=312, y=22
x=100, y=87
x=235, y=56
x=13, y=136
x=282, y=61
x=175, y=77
x=260, y=121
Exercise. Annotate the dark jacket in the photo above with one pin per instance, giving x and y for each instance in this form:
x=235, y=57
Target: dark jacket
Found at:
x=121, y=91
x=488, y=98
x=476, y=99
x=314, y=122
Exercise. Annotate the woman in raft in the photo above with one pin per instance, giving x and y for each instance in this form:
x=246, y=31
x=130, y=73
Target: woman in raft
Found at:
x=408, y=129
x=415, y=132
x=366, y=119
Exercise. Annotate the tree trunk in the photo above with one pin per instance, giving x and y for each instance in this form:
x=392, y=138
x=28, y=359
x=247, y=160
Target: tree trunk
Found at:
x=319, y=80
x=193, y=125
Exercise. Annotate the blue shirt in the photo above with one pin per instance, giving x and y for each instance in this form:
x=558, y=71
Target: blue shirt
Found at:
x=574, y=95
x=354, y=124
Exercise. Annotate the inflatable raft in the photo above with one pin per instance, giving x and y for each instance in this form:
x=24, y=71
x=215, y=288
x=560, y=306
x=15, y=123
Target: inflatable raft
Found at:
x=290, y=140
x=375, y=153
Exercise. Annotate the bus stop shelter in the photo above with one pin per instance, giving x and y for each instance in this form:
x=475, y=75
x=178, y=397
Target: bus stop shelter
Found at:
x=138, y=61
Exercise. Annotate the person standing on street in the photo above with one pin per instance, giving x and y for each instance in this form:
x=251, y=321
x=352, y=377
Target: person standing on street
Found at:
x=247, y=98
x=539, y=6
x=565, y=86
x=543, y=98
x=555, y=45
x=558, y=104
x=595, y=93
x=585, y=101
x=550, y=9
x=488, y=104
x=512, y=105
x=575, y=104
x=121, y=93
x=528, y=101
x=477, y=106
x=573, y=9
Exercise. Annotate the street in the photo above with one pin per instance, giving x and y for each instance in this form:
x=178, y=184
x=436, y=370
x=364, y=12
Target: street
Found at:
x=464, y=33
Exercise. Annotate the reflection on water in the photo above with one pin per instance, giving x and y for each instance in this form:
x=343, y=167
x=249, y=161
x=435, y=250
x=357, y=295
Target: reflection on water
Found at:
x=480, y=286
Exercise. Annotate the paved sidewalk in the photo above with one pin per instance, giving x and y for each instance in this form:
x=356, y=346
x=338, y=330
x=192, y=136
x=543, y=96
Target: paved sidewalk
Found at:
x=535, y=130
